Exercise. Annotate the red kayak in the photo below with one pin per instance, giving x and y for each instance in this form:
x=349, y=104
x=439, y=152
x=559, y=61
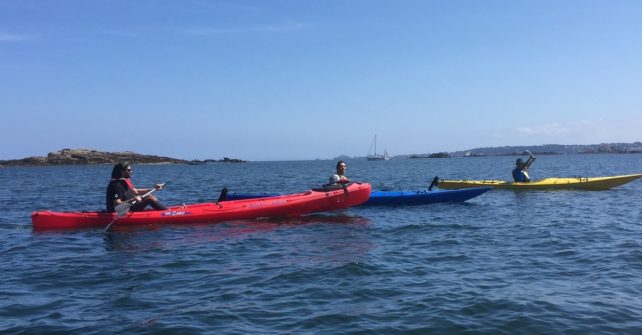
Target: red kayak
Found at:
x=290, y=205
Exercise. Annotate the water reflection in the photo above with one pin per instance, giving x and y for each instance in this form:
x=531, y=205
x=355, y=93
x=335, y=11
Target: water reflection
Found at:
x=164, y=236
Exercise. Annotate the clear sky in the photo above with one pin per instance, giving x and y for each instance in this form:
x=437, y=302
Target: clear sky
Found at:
x=282, y=80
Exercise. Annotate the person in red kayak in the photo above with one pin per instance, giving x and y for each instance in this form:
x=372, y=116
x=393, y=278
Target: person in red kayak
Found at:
x=520, y=173
x=339, y=178
x=121, y=189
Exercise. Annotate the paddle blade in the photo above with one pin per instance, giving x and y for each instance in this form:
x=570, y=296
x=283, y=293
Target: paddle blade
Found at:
x=223, y=195
x=122, y=209
x=435, y=182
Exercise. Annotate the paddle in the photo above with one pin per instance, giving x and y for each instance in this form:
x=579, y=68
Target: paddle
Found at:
x=123, y=208
x=344, y=183
x=530, y=159
x=223, y=196
x=435, y=182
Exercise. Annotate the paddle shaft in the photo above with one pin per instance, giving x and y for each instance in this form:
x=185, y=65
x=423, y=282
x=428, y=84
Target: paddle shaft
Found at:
x=122, y=208
x=530, y=160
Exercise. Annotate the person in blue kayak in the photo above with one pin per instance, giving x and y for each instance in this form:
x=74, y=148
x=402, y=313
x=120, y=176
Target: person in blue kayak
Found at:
x=121, y=189
x=339, y=178
x=520, y=173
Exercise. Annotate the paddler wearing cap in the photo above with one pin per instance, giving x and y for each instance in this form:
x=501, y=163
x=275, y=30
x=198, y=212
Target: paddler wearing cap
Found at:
x=520, y=173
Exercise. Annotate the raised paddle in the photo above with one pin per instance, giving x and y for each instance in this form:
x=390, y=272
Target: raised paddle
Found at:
x=223, y=196
x=123, y=208
x=435, y=182
x=530, y=159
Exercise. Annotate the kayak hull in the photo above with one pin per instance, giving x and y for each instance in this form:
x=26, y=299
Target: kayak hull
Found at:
x=281, y=206
x=579, y=183
x=423, y=197
x=397, y=198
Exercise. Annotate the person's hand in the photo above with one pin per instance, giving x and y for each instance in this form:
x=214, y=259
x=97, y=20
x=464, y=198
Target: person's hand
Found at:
x=343, y=181
x=139, y=198
x=159, y=187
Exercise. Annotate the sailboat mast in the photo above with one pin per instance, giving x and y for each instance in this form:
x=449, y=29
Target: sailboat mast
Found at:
x=375, y=152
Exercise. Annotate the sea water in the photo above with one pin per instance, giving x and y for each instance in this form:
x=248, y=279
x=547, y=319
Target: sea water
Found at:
x=536, y=262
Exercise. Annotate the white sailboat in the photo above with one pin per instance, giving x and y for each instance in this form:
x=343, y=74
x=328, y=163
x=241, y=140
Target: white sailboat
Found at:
x=375, y=156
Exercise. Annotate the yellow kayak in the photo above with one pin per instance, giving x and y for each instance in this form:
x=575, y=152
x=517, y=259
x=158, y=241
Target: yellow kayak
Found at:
x=577, y=183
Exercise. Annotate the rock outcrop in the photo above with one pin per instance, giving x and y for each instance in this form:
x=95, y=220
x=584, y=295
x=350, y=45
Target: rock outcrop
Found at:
x=87, y=157
x=224, y=160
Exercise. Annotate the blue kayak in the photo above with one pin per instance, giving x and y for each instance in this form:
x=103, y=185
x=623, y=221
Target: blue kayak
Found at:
x=395, y=198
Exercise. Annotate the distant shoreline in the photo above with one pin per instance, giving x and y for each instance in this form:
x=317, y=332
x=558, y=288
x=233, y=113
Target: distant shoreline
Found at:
x=93, y=157
x=538, y=150
x=554, y=149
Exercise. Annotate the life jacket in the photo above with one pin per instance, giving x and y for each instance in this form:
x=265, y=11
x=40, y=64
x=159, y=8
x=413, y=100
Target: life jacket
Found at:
x=520, y=176
x=129, y=194
x=129, y=183
x=332, y=181
x=111, y=192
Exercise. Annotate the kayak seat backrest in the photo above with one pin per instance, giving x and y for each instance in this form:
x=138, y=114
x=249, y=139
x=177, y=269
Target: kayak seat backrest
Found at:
x=328, y=188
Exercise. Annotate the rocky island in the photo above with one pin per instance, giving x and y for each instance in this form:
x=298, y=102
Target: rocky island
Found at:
x=224, y=160
x=91, y=157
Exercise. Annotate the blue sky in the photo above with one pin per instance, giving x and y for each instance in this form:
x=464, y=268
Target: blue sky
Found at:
x=281, y=80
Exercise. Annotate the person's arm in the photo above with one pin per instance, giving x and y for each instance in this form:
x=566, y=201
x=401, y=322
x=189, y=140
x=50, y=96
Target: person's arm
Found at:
x=141, y=191
x=120, y=192
x=117, y=201
x=343, y=180
x=529, y=161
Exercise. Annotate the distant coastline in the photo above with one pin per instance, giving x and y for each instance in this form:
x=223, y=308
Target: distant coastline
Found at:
x=554, y=149
x=546, y=149
x=94, y=157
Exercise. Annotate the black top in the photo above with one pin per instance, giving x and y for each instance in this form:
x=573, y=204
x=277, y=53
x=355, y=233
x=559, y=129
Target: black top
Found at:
x=117, y=189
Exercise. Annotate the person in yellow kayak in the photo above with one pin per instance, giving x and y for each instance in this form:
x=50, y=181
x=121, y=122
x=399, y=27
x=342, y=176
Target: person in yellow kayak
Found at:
x=520, y=173
x=339, y=178
x=121, y=189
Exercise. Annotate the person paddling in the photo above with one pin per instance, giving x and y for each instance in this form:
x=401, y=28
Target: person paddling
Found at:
x=121, y=189
x=339, y=178
x=520, y=173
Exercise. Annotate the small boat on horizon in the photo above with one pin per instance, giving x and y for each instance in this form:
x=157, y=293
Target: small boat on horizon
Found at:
x=375, y=156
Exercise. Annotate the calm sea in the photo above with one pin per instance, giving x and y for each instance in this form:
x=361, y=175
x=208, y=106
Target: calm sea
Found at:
x=502, y=263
